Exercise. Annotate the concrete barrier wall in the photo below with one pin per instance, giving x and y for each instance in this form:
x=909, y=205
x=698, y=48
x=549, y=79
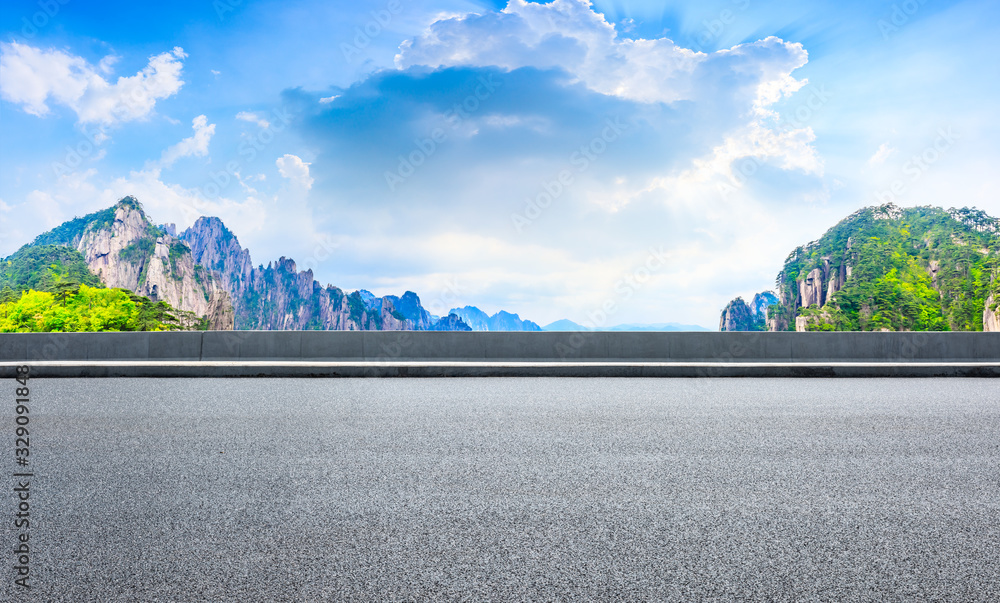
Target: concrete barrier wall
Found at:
x=477, y=346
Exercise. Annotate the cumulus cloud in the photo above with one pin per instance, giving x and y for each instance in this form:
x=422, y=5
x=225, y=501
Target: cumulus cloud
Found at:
x=737, y=86
x=296, y=170
x=569, y=35
x=35, y=78
x=699, y=162
x=193, y=146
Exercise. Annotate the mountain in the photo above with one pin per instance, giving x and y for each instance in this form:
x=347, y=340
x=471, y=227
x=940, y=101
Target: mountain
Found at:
x=501, y=321
x=47, y=288
x=741, y=316
x=888, y=268
x=45, y=268
x=203, y=272
x=564, y=325
x=450, y=323
x=125, y=250
x=279, y=297
x=569, y=325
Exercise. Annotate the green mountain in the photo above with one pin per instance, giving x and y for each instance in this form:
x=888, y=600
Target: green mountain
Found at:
x=45, y=268
x=896, y=269
x=50, y=288
x=51, y=285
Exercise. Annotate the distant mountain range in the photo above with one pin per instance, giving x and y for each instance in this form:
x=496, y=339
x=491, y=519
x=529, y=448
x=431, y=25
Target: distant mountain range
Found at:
x=569, y=325
x=205, y=271
x=501, y=321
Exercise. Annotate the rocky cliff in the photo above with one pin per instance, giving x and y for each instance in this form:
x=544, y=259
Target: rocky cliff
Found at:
x=279, y=297
x=890, y=268
x=741, y=316
x=125, y=250
x=205, y=271
x=991, y=315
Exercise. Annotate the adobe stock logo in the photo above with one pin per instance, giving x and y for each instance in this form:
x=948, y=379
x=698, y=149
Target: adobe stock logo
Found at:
x=427, y=146
x=375, y=26
x=47, y=10
x=900, y=16
x=918, y=164
x=581, y=160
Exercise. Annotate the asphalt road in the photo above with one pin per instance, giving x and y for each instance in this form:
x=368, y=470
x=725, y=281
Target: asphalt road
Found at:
x=510, y=489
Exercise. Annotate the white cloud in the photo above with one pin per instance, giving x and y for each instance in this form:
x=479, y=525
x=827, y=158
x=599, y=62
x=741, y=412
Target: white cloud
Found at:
x=328, y=99
x=35, y=78
x=884, y=152
x=296, y=170
x=569, y=35
x=253, y=118
x=193, y=146
x=106, y=65
x=739, y=85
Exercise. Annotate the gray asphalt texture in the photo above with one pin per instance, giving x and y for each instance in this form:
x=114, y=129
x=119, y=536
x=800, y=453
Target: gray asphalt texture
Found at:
x=513, y=489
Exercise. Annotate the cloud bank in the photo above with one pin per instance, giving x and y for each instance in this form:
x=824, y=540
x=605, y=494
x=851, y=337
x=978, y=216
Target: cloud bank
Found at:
x=36, y=78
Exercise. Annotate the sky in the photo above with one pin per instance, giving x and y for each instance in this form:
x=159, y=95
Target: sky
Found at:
x=607, y=162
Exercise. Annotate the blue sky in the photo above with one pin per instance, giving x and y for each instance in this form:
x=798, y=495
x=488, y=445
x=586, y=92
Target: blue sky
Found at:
x=609, y=162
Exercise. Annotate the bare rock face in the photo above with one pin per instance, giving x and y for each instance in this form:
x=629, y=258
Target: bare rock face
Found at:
x=811, y=289
x=933, y=267
x=991, y=316
x=736, y=316
x=220, y=313
x=217, y=249
x=125, y=250
x=279, y=297
x=103, y=248
x=205, y=273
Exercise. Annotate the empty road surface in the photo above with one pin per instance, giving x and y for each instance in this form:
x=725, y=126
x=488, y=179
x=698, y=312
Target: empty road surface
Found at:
x=509, y=489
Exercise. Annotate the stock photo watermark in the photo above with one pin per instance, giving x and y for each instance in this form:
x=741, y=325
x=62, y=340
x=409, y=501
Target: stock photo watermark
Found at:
x=712, y=29
x=364, y=35
x=918, y=164
x=425, y=147
x=624, y=288
x=224, y=7
x=47, y=11
x=898, y=17
x=23, y=473
x=747, y=167
x=581, y=160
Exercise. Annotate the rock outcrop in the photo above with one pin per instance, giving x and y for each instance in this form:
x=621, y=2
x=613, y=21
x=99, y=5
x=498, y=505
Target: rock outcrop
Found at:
x=736, y=316
x=205, y=272
x=450, y=323
x=279, y=297
x=991, y=315
x=125, y=250
x=741, y=316
x=221, y=316
x=897, y=269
